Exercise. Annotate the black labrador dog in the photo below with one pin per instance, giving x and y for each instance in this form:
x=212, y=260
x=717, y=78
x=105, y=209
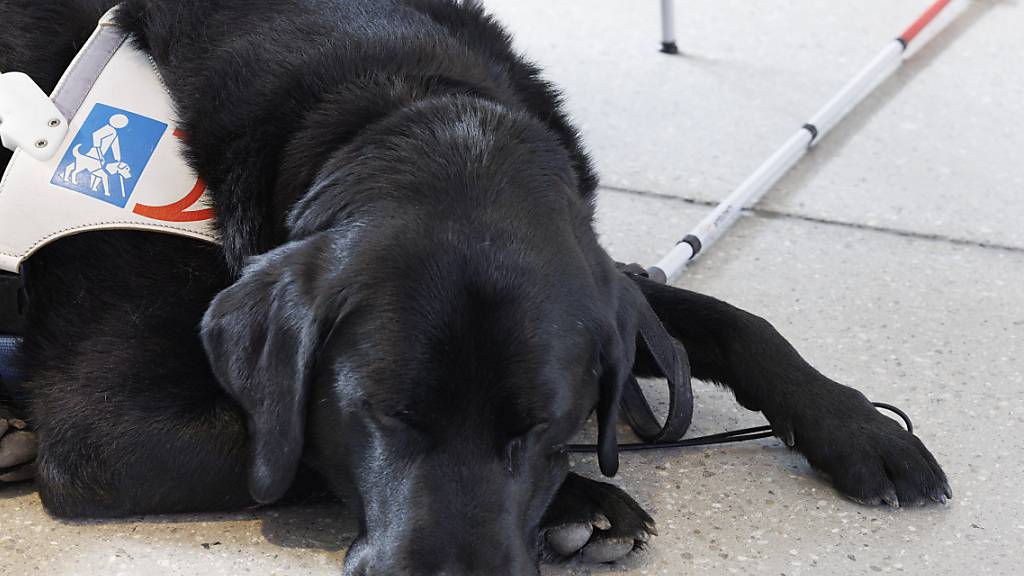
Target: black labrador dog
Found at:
x=410, y=301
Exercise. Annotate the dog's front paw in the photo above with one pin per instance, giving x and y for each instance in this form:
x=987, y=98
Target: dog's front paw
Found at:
x=869, y=457
x=18, y=448
x=594, y=521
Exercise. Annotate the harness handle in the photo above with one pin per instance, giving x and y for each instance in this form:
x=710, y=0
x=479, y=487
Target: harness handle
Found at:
x=29, y=120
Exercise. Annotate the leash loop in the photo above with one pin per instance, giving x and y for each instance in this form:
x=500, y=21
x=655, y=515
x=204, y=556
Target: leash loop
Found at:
x=674, y=366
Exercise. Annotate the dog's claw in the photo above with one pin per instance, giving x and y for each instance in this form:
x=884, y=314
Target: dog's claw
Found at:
x=601, y=522
x=891, y=499
x=942, y=495
x=652, y=530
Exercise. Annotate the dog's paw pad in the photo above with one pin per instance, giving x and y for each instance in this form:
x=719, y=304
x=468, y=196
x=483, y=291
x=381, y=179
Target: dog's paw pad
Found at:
x=18, y=447
x=569, y=539
x=19, y=474
x=603, y=550
x=595, y=522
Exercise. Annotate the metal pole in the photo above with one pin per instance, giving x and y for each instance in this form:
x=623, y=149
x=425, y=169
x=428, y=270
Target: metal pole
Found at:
x=668, y=27
x=766, y=175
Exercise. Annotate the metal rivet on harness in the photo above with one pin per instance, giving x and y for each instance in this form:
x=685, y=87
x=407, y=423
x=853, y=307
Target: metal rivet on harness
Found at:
x=41, y=144
x=54, y=123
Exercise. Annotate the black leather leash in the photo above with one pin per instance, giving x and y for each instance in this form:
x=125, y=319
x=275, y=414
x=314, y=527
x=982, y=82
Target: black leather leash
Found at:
x=674, y=367
x=671, y=359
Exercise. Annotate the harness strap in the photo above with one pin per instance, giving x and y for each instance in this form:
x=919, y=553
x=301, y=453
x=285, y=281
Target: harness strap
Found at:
x=13, y=306
x=675, y=367
x=13, y=303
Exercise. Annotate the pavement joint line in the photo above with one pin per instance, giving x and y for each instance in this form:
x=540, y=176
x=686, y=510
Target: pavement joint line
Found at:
x=782, y=215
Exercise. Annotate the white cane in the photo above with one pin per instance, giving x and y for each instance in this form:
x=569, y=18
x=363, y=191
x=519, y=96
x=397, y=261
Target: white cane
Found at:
x=757, y=184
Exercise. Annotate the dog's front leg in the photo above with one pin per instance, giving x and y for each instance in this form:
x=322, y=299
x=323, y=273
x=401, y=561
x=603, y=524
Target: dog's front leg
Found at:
x=869, y=457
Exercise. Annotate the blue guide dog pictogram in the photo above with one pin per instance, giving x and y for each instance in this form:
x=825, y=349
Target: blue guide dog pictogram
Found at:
x=109, y=154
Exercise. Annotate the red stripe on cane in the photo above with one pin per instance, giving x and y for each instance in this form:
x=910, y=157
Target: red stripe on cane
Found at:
x=925, y=19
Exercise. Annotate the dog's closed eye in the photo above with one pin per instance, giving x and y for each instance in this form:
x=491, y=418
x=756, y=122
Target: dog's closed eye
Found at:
x=403, y=420
x=394, y=418
x=402, y=415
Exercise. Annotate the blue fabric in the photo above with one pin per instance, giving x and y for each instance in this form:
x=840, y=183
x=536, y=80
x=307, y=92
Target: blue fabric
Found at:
x=9, y=346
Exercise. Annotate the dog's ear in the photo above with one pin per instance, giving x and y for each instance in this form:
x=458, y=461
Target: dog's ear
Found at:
x=260, y=336
x=618, y=353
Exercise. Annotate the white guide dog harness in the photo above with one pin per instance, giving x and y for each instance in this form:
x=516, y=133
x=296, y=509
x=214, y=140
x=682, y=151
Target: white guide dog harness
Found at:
x=101, y=153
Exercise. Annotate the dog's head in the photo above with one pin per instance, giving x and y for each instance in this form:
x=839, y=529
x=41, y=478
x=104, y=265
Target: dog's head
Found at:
x=119, y=168
x=431, y=365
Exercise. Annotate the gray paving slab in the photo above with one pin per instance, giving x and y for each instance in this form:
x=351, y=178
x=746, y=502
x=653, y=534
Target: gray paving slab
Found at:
x=874, y=310
x=936, y=151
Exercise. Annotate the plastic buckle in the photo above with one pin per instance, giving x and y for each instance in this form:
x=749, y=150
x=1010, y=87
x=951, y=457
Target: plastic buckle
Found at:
x=632, y=270
x=29, y=120
x=13, y=303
